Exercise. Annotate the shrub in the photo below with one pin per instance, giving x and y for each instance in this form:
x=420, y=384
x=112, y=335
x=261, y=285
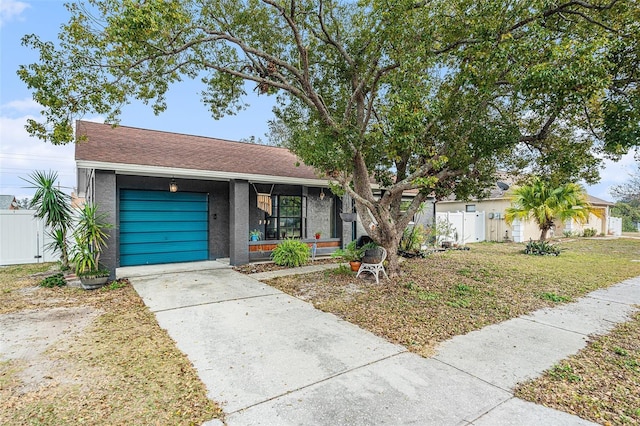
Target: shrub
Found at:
x=589, y=232
x=56, y=280
x=291, y=253
x=414, y=237
x=351, y=252
x=342, y=269
x=541, y=248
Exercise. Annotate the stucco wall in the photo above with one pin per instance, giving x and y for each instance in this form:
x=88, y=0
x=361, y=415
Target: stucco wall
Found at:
x=106, y=198
x=594, y=222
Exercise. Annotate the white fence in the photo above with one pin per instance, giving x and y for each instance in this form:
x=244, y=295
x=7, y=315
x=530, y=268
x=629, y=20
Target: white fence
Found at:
x=614, y=227
x=467, y=227
x=23, y=238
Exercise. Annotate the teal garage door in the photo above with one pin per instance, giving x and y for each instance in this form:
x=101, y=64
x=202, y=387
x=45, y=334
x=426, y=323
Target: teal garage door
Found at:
x=162, y=227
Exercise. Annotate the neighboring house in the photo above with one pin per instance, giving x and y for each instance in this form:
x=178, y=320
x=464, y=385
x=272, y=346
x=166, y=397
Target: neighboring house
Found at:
x=8, y=202
x=179, y=198
x=496, y=228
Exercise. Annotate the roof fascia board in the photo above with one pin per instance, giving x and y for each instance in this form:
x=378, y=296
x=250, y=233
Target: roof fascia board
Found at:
x=158, y=171
x=475, y=200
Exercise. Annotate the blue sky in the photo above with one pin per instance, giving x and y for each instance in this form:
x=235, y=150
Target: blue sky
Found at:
x=20, y=154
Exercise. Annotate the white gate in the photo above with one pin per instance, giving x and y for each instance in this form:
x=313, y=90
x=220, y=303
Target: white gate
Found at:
x=23, y=238
x=466, y=227
x=614, y=227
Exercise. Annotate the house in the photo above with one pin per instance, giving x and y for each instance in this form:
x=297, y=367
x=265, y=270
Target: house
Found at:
x=181, y=198
x=496, y=228
x=8, y=202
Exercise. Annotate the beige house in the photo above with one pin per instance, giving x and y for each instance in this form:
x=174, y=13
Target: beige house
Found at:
x=497, y=229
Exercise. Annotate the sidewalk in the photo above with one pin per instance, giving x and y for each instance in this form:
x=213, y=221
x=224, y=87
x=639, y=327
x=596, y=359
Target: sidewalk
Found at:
x=272, y=359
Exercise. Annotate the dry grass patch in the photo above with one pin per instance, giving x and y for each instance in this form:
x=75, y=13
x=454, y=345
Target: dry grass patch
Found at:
x=601, y=383
x=455, y=292
x=121, y=369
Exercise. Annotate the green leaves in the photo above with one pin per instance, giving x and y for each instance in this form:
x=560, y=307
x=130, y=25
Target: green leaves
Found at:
x=50, y=202
x=90, y=237
x=543, y=202
x=434, y=96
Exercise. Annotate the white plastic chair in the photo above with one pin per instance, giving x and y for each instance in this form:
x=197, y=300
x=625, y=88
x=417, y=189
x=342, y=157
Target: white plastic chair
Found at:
x=374, y=268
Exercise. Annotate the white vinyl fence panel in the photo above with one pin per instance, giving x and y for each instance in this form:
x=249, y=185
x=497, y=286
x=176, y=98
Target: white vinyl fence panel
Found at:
x=614, y=227
x=23, y=238
x=468, y=226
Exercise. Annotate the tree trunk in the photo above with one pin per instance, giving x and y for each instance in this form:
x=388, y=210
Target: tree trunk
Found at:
x=543, y=233
x=390, y=243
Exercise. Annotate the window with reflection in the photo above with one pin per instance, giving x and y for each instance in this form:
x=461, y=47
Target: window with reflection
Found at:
x=286, y=218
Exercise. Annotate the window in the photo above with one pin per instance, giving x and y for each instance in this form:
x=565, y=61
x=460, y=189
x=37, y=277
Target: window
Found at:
x=286, y=218
x=470, y=208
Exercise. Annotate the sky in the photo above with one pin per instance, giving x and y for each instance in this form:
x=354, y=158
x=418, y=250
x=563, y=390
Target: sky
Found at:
x=20, y=154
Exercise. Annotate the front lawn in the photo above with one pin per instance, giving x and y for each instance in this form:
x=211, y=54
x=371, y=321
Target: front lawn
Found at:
x=601, y=383
x=455, y=292
x=122, y=369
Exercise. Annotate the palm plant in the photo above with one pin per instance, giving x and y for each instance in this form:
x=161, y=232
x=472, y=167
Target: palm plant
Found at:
x=542, y=203
x=54, y=206
x=91, y=239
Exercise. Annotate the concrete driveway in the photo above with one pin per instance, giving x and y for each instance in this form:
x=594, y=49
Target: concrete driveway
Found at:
x=272, y=359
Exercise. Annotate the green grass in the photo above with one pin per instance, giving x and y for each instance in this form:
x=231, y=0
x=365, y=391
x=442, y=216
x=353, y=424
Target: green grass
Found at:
x=601, y=383
x=455, y=292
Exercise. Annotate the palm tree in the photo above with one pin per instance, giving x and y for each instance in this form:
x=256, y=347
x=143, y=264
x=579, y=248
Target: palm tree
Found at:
x=542, y=203
x=52, y=205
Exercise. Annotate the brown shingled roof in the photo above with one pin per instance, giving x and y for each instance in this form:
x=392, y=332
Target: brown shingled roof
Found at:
x=130, y=145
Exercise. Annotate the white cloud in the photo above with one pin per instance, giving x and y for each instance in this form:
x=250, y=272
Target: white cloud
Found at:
x=11, y=9
x=21, y=154
x=21, y=105
x=619, y=171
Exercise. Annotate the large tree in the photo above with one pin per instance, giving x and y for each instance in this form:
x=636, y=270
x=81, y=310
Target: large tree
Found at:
x=430, y=96
x=543, y=203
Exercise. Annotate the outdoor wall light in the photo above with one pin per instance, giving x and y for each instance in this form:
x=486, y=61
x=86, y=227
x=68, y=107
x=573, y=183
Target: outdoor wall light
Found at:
x=173, y=186
x=321, y=194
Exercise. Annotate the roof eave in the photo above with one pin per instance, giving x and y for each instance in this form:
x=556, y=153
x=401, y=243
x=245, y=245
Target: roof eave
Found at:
x=159, y=171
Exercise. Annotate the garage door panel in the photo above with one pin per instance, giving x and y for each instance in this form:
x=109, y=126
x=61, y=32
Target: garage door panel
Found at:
x=156, y=216
x=136, y=194
x=180, y=246
x=158, y=258
x=161, y=205
x=162, y=227
x=156, y=237
x=138, y=227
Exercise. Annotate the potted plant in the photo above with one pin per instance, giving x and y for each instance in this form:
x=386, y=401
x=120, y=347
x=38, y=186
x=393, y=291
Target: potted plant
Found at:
x=318, y=235
x=352, y=254
x=255, y=235
x=90, y=237
x=371, y=253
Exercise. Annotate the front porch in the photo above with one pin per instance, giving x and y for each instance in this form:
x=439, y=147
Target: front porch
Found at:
x=261, y=250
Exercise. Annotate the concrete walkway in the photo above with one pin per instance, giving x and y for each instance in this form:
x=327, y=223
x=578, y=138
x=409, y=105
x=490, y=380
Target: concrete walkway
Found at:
x=272, y=359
